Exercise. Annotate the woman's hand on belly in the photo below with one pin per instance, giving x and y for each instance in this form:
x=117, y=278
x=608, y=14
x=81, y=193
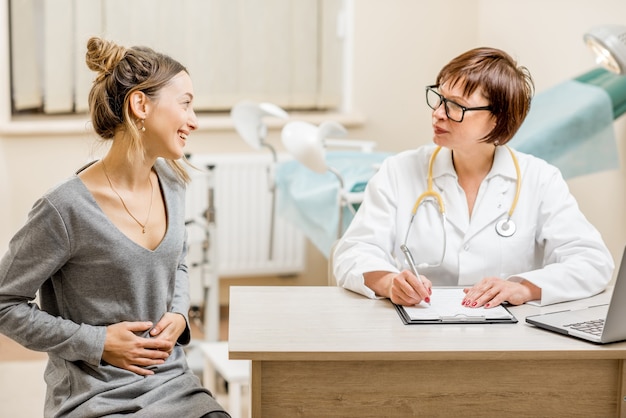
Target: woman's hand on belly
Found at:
x=123, y=348
x=168, y=329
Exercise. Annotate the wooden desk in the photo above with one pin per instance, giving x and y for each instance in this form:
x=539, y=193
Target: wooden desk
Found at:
x=328, y=352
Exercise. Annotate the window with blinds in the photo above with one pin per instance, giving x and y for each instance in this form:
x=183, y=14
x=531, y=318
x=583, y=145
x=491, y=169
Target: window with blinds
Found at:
x=287, y=52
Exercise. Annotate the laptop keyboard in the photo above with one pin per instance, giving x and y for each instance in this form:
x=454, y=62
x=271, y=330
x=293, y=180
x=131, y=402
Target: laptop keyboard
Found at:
x=593, y=327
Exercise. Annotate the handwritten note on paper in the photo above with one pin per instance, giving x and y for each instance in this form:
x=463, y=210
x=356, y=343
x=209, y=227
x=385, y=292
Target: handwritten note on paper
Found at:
x=446, y=305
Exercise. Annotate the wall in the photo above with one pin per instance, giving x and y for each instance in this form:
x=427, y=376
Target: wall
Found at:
x=399, y=46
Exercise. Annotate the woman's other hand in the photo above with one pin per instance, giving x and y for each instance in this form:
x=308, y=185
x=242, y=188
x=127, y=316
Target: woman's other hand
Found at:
x=492, y=291
x=169, y=328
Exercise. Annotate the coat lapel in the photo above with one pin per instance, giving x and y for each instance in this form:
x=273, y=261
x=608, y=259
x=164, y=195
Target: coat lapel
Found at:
x=494, y=198
x=445, y=181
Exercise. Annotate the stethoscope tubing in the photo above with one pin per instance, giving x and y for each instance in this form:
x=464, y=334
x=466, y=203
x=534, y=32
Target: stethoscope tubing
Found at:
x=504, y=227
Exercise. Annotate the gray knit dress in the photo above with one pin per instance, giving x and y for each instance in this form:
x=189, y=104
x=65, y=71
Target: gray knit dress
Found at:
x=91, y=275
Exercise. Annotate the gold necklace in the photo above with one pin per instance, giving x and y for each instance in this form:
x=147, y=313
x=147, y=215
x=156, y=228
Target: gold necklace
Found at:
x=142, y=225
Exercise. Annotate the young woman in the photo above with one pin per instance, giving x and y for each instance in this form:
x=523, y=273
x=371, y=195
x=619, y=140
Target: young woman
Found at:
x=106, y=250
x=470, y=211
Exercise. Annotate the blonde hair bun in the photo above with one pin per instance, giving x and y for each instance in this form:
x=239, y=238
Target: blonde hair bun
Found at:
x=102, y=56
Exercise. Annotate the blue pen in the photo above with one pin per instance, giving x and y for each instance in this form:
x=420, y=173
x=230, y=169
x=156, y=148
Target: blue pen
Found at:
x=409, y=259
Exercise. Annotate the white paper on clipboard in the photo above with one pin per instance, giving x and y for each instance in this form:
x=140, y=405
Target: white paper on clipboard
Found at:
x=446, y=306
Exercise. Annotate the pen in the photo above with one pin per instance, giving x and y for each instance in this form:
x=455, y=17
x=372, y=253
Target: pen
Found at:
x=409, y=259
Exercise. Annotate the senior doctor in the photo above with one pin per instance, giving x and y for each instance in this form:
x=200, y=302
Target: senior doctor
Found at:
x=469, y=210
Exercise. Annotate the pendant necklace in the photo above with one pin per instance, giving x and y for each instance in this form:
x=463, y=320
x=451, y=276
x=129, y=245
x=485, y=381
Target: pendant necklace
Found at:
x=142, y=225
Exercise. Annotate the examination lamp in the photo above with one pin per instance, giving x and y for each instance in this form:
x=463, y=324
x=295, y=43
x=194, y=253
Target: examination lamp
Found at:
x=248, y=120
x=608, y=43
x=307, y=144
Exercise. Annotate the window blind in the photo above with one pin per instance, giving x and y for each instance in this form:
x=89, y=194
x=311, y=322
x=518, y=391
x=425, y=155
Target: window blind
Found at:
x=281, y=51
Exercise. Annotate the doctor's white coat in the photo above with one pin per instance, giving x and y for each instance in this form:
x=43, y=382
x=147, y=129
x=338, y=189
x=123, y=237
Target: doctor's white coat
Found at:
x=554, y=245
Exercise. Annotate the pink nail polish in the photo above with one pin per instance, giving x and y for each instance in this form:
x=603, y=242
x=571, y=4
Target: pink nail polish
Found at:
x=427, y=300
x=474, y=304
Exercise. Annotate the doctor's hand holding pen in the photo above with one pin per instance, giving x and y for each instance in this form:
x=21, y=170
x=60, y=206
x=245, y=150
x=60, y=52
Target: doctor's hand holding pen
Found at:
x=404, y=288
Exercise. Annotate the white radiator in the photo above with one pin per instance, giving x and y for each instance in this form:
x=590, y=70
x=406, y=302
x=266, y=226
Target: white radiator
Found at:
x=239, y=188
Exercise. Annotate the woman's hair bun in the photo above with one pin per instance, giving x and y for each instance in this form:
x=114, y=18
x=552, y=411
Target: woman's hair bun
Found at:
x=102, y=56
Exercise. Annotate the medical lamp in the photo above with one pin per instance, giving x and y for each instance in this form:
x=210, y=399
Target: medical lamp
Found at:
x=307, y=144
x=608, y=42
x=248, y=120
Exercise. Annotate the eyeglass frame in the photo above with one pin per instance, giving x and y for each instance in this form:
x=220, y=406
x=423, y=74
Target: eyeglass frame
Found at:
x=445, y=101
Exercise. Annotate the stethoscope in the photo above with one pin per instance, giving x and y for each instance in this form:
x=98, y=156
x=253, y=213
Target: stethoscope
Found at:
x=504, y=227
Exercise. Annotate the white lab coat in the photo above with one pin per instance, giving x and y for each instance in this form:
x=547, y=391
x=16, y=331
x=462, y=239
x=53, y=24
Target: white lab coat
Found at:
x=554, y=245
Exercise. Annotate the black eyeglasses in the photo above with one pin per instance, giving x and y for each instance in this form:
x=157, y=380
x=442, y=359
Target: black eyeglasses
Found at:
x=454, y=111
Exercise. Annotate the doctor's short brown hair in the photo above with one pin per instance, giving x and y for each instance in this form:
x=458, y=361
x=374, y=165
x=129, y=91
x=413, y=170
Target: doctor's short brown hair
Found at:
x=507, y=86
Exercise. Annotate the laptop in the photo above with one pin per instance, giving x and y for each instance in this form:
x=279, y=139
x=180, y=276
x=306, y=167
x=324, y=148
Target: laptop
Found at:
x=600, y=324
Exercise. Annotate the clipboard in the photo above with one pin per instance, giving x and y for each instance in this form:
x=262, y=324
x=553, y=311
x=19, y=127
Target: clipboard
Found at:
x=446, y=308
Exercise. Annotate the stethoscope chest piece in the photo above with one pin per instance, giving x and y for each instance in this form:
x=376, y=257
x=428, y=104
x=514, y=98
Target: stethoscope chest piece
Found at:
x=505, y=227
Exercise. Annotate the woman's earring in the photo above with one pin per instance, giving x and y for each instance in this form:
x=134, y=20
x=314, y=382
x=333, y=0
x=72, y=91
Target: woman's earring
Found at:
x=143, y=125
